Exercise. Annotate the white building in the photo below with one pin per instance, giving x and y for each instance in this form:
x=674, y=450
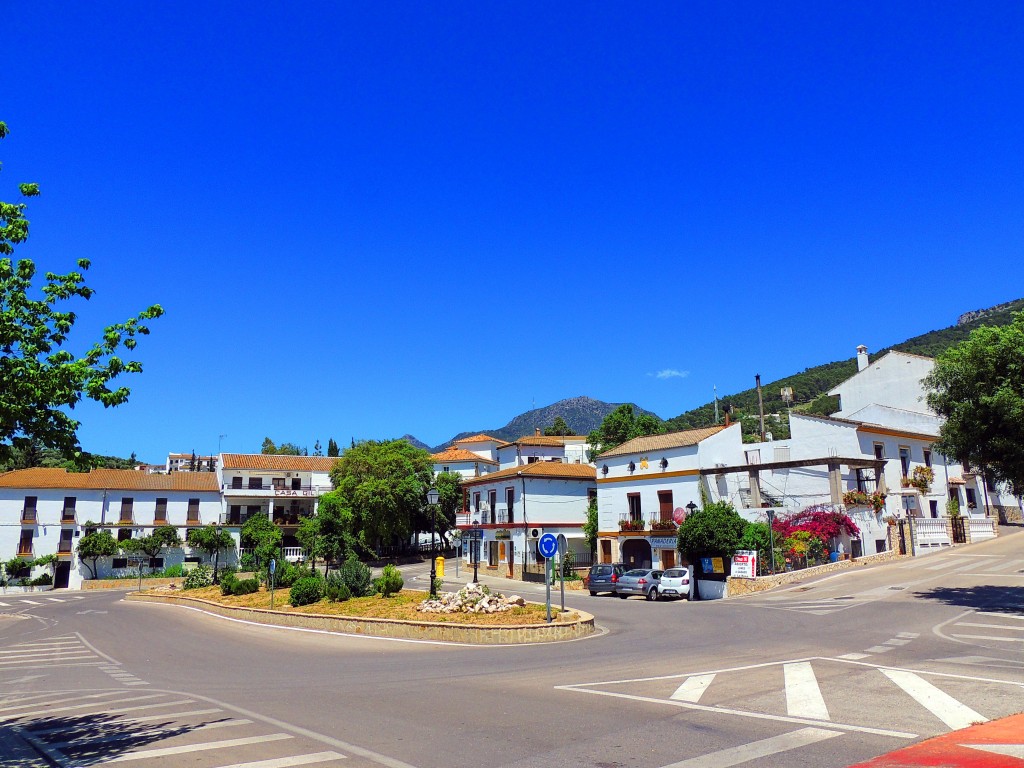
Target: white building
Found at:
x=463, y=462
x=570, y=449
x=44, y=510
x=182, y=462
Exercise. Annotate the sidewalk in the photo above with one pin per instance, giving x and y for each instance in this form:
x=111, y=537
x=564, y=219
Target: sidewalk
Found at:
x=997, y=744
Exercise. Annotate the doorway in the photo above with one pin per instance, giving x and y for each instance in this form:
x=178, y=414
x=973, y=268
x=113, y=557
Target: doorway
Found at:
x=61, y=575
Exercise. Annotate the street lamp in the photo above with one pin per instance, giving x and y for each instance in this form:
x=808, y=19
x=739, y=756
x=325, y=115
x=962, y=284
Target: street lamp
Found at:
x=691, y=507
x=432, y=498
x=474, y=551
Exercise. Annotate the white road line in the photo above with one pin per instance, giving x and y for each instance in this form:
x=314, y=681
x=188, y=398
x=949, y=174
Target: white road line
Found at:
x=941, y=566
x=950, y=711
x=1008, y=565
x=803, y=696
x=55, y=600
x=49, y=694
x=88, y=741
x=896, y=641
x=39, y=651
x=757, y=749
x=879, y=649
x=37, y=659
x=147, y=754
x=692, y=688
x=68, y=708
x=989, y=626
x=1000, y=615
x=288, y=762
x=908, y=635
x=174, y=703
x=1010, y=750
x=138, y=682
x=77, y=597
x=6, y=605
x=854, y=656
x=989, y=637
x=30, y=602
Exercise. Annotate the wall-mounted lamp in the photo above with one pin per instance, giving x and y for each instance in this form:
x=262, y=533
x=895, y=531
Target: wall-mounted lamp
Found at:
x=691, y=507
x=664, y=464
x=604, y=470
x=632, y=466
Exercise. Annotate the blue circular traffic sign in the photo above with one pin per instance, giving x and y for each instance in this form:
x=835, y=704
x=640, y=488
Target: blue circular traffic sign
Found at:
x=548, y=545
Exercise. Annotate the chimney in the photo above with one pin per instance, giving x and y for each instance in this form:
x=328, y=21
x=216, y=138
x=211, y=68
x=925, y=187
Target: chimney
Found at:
x=862, y=357
x=536, y=431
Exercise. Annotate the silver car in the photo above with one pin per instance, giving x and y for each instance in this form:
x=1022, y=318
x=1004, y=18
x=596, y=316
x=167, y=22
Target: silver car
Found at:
x=639, y=581
x=675, y=582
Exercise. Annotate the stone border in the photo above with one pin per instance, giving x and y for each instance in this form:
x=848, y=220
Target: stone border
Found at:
x=475, y=634
x=738, y=587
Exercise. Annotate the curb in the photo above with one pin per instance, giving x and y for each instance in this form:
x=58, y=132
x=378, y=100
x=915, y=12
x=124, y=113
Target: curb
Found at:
x=472, y=634
x=996, y=744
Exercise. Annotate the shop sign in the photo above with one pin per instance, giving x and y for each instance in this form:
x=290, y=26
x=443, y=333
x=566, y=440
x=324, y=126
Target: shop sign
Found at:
x=664, y=542
x=744, y=564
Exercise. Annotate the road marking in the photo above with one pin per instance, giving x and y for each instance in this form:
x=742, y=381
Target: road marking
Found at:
x=757, y=749
x=897, y=641
x=853, y=656
x=908, y=635
x=950, y=711
x=990, y=626
x=879, y=649
x=941, y=566
x=1008, y=565
x=1000, y=615
x=1010, y=750
x=989, y=637
x=803, y=696
x=55, y=600
x=67, y=657
x=6, y=605
x=30, y=602
x=147, y=754
x=88, y=741
x=287, y=762
x=68, y=708
x=692, y=688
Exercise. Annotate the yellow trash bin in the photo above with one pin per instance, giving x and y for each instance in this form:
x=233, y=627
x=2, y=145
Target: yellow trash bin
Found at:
x=439, y=567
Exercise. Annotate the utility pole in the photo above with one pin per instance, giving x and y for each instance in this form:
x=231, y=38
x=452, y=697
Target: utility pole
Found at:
x=715, y=387
x=760, y=403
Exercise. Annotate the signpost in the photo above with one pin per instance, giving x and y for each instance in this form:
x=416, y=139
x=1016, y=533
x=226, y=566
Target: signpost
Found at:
x=744, y=564
x=562, y=546
x=547, y=546
x=476, y=535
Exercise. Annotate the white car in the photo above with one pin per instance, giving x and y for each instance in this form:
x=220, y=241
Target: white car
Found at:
x=675, y=582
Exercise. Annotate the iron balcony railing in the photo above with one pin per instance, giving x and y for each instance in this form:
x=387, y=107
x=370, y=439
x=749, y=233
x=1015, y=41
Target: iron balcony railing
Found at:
x=28, y=516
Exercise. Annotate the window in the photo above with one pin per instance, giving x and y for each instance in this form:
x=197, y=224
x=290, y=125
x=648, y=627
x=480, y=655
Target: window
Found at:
x=127, y=504
x=193, y=511
x=68, y=513
x=445, y=469
x=753, y=457
x=278, y=483
x=665, y=505
x=236, y=482
x=634, y=507
x=492, y=504
x=905, y=460
x=296, y=483
x=119, y=562
x=28, y=514
x=25, y=543
x=972, y=498
x=476, y=503
x=252, y=509
x=510, y=504
x=927, y=457
x=255, y=483
x=879, y=451
x=160, y=515
x=991, y=485
x=532, y=459
x=124, y=534
x=933, y=507
x=235, y=514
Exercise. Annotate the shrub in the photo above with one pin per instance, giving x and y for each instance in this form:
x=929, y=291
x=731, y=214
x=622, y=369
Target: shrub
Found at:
x=173, y=571
x=335, y=588
x=245, y=586
x=286, y=573
x=247, y=562
x=228, y=582
x=198, y=577
x=390, y=581
x=357, y=577
x=43, y=580
x=306, y=591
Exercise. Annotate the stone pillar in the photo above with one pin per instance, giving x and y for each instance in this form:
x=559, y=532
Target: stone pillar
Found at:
x=835, y=483
x=755, y=489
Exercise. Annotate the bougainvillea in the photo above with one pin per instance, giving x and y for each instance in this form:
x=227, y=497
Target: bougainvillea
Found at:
x=822, y=521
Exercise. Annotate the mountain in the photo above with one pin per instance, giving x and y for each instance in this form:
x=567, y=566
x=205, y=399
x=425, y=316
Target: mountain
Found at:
x=810, y=386
x=582, y=414
x=416, y=443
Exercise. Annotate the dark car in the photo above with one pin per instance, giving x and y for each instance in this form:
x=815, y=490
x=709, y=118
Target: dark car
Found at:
x=603, y=578
x=639, y=581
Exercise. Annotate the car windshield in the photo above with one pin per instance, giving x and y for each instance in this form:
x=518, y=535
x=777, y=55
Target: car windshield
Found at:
x=673, y=574
x=637, y=572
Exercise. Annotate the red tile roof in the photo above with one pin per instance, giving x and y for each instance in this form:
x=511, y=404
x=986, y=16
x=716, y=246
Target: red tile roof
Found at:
x=458, y=454
x=661, y=442
x=278, y=462
x=115, y=479
x=540, y=469
x=481, y=438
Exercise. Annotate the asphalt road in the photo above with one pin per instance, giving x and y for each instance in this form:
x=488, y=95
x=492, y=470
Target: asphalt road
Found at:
x=818, y=674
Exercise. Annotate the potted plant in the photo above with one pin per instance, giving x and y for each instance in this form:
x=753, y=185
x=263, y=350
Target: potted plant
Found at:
x=921, y=478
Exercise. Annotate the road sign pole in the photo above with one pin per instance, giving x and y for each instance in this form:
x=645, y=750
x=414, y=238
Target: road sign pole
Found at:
x=562, y=547
x=547, y=584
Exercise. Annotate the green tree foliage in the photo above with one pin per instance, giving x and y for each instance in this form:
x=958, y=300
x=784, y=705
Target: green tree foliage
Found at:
x=96, y=543
x=284, y=449
x=385, y=485
x=40, y=381
x=306, y=591
x=716, y=529
x=334, y=523
x=35, y=455
x=335, y=588
x=590, y=527
x=309, y=538
x=212, y=540
x=390, y=581
x=263, y=537
x=332, y=448
x=449, y=499
x=978, y=387
x=621, y=425
x=357, y=577
x=558, y=428
x=163, y=537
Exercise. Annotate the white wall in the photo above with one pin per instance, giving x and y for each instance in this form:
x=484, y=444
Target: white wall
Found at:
x=893, y=380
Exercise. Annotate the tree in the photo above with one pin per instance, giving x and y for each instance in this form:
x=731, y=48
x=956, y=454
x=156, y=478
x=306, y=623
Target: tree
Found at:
x=978, y=388
x=95, y=544
x=163, y=536
x=621, y=425
x=212, y=540
x=559, y=427
x=284, y=449
x=590, y=527
x=335, y=528
x=449, y=499
x=715, y=529
x=332, y=448
x=309, y=538
x=317, y=449
x=385, y=485
x=39, y=380
x=263, y=537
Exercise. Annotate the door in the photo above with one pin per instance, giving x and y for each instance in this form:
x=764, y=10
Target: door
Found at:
x=61, y=575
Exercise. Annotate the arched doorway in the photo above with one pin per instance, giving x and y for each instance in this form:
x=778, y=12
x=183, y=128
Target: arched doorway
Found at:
x=636, y=553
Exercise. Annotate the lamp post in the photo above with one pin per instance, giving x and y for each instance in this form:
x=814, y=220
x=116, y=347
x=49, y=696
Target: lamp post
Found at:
x=432, y=499
x=691, y=508
x=771, y=540
x=474, y=551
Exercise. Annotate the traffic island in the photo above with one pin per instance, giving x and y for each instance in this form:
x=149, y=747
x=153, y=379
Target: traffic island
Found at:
x=390, y=617
x=997, y=744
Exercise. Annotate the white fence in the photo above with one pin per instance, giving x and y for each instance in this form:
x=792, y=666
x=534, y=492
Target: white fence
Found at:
x=931, y=533
x=291, y=554
x=980, y=529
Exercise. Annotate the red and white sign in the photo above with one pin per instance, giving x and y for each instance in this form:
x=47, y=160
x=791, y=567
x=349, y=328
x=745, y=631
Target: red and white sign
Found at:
x=744, y=564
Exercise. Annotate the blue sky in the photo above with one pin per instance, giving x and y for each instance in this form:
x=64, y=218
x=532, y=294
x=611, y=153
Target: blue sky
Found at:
x=371, y=219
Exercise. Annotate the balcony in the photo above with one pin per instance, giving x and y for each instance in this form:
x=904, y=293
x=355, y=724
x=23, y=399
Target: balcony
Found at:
x=24, y=550
x=28, y=516
x=265, y=491
x=67, y=517
x=64, y=547
x=629, y=523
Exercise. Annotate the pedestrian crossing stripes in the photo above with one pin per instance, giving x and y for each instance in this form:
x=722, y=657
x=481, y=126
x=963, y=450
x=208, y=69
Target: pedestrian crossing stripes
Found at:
x=109, y=728
x=840, y=694
x=65, y=651
x=12, y=601
x=988, y=628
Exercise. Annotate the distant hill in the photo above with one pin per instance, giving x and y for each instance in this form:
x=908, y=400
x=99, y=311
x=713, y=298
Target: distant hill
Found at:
x=582, y=414
x=810, y=386
x=416, y=443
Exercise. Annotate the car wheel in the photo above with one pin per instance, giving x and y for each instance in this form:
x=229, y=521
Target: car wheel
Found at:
x=653, y=594
x=593, y=593
x=623, y=596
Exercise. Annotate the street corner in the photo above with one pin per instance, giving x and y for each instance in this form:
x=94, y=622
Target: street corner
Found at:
x=996, y=744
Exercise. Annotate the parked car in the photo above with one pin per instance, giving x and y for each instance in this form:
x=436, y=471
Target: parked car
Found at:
x=675, y=582
x=604, y=578
x=639, y=581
